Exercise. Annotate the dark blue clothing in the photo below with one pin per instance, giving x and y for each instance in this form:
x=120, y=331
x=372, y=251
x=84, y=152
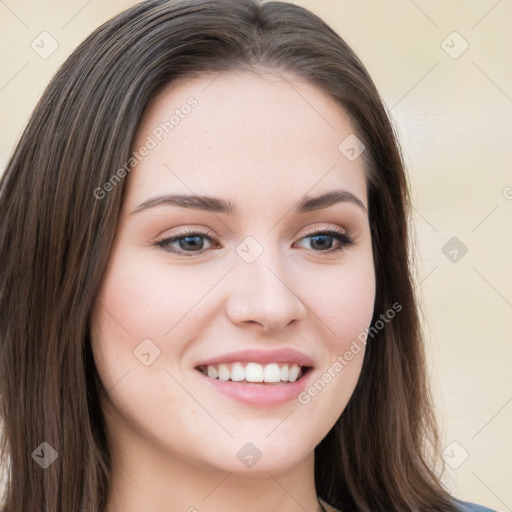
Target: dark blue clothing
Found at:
x=465, y=506
x=472, y=507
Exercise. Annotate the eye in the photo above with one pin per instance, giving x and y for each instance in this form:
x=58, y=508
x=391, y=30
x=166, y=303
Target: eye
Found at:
x=191, y=242
x=324, y=238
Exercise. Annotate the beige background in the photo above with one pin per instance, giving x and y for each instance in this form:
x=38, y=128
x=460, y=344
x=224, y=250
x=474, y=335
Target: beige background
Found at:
x=454, y=120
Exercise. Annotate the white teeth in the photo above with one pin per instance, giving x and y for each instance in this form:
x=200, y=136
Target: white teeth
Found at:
x=294, y=373
x=254, y=372
x=237, y=372
x=224, y=372
x=271, y=373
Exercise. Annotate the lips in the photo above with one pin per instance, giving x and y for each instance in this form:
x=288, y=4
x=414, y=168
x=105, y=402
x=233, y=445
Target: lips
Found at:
x=259, y=395
x=285, y=355
x=258, y=377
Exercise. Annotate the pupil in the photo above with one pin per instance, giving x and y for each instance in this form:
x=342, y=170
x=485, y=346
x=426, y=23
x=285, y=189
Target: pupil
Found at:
x=185, y=240
x=323, y=240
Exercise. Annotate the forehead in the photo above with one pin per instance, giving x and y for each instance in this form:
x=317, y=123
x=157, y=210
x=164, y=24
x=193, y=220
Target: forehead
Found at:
x=244, y=136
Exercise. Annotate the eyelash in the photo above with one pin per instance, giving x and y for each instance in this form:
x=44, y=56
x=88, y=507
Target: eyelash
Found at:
x=345, y=240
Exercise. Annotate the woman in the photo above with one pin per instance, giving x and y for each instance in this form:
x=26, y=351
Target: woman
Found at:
x=206, y=296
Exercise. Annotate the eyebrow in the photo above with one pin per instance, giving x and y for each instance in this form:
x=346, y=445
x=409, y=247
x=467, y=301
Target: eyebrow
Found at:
x=216, y=205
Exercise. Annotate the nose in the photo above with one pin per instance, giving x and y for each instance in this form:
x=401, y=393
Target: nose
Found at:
x=263, y=294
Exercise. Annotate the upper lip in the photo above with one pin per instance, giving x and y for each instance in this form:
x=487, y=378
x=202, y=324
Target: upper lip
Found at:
x=284, y=355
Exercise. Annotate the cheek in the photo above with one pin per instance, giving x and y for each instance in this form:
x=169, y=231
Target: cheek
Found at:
x=141, y=301
x=345, y=303
x=342, y=302
x=135, y=329
x=123, y=317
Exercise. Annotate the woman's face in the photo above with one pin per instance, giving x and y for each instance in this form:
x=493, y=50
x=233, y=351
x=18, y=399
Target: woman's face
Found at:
x=264, y=271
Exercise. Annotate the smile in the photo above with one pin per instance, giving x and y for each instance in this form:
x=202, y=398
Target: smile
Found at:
x=245, y=372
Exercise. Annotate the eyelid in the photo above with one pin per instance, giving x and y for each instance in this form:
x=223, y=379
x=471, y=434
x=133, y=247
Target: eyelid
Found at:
x=206, y=233
x=318, y=230
x=187, y=231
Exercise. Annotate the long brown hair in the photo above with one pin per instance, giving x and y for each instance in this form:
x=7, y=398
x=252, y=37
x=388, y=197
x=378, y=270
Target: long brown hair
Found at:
x=56, y=236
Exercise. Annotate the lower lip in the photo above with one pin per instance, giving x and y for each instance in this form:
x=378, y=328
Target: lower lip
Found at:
x=257, y=394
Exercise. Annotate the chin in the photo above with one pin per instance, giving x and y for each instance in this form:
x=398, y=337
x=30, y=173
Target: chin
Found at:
x=261, y=456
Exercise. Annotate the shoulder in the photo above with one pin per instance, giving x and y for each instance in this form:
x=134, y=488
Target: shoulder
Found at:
x=465, y=506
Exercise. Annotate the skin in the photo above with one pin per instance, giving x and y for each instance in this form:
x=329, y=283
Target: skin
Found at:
x=258, y=142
